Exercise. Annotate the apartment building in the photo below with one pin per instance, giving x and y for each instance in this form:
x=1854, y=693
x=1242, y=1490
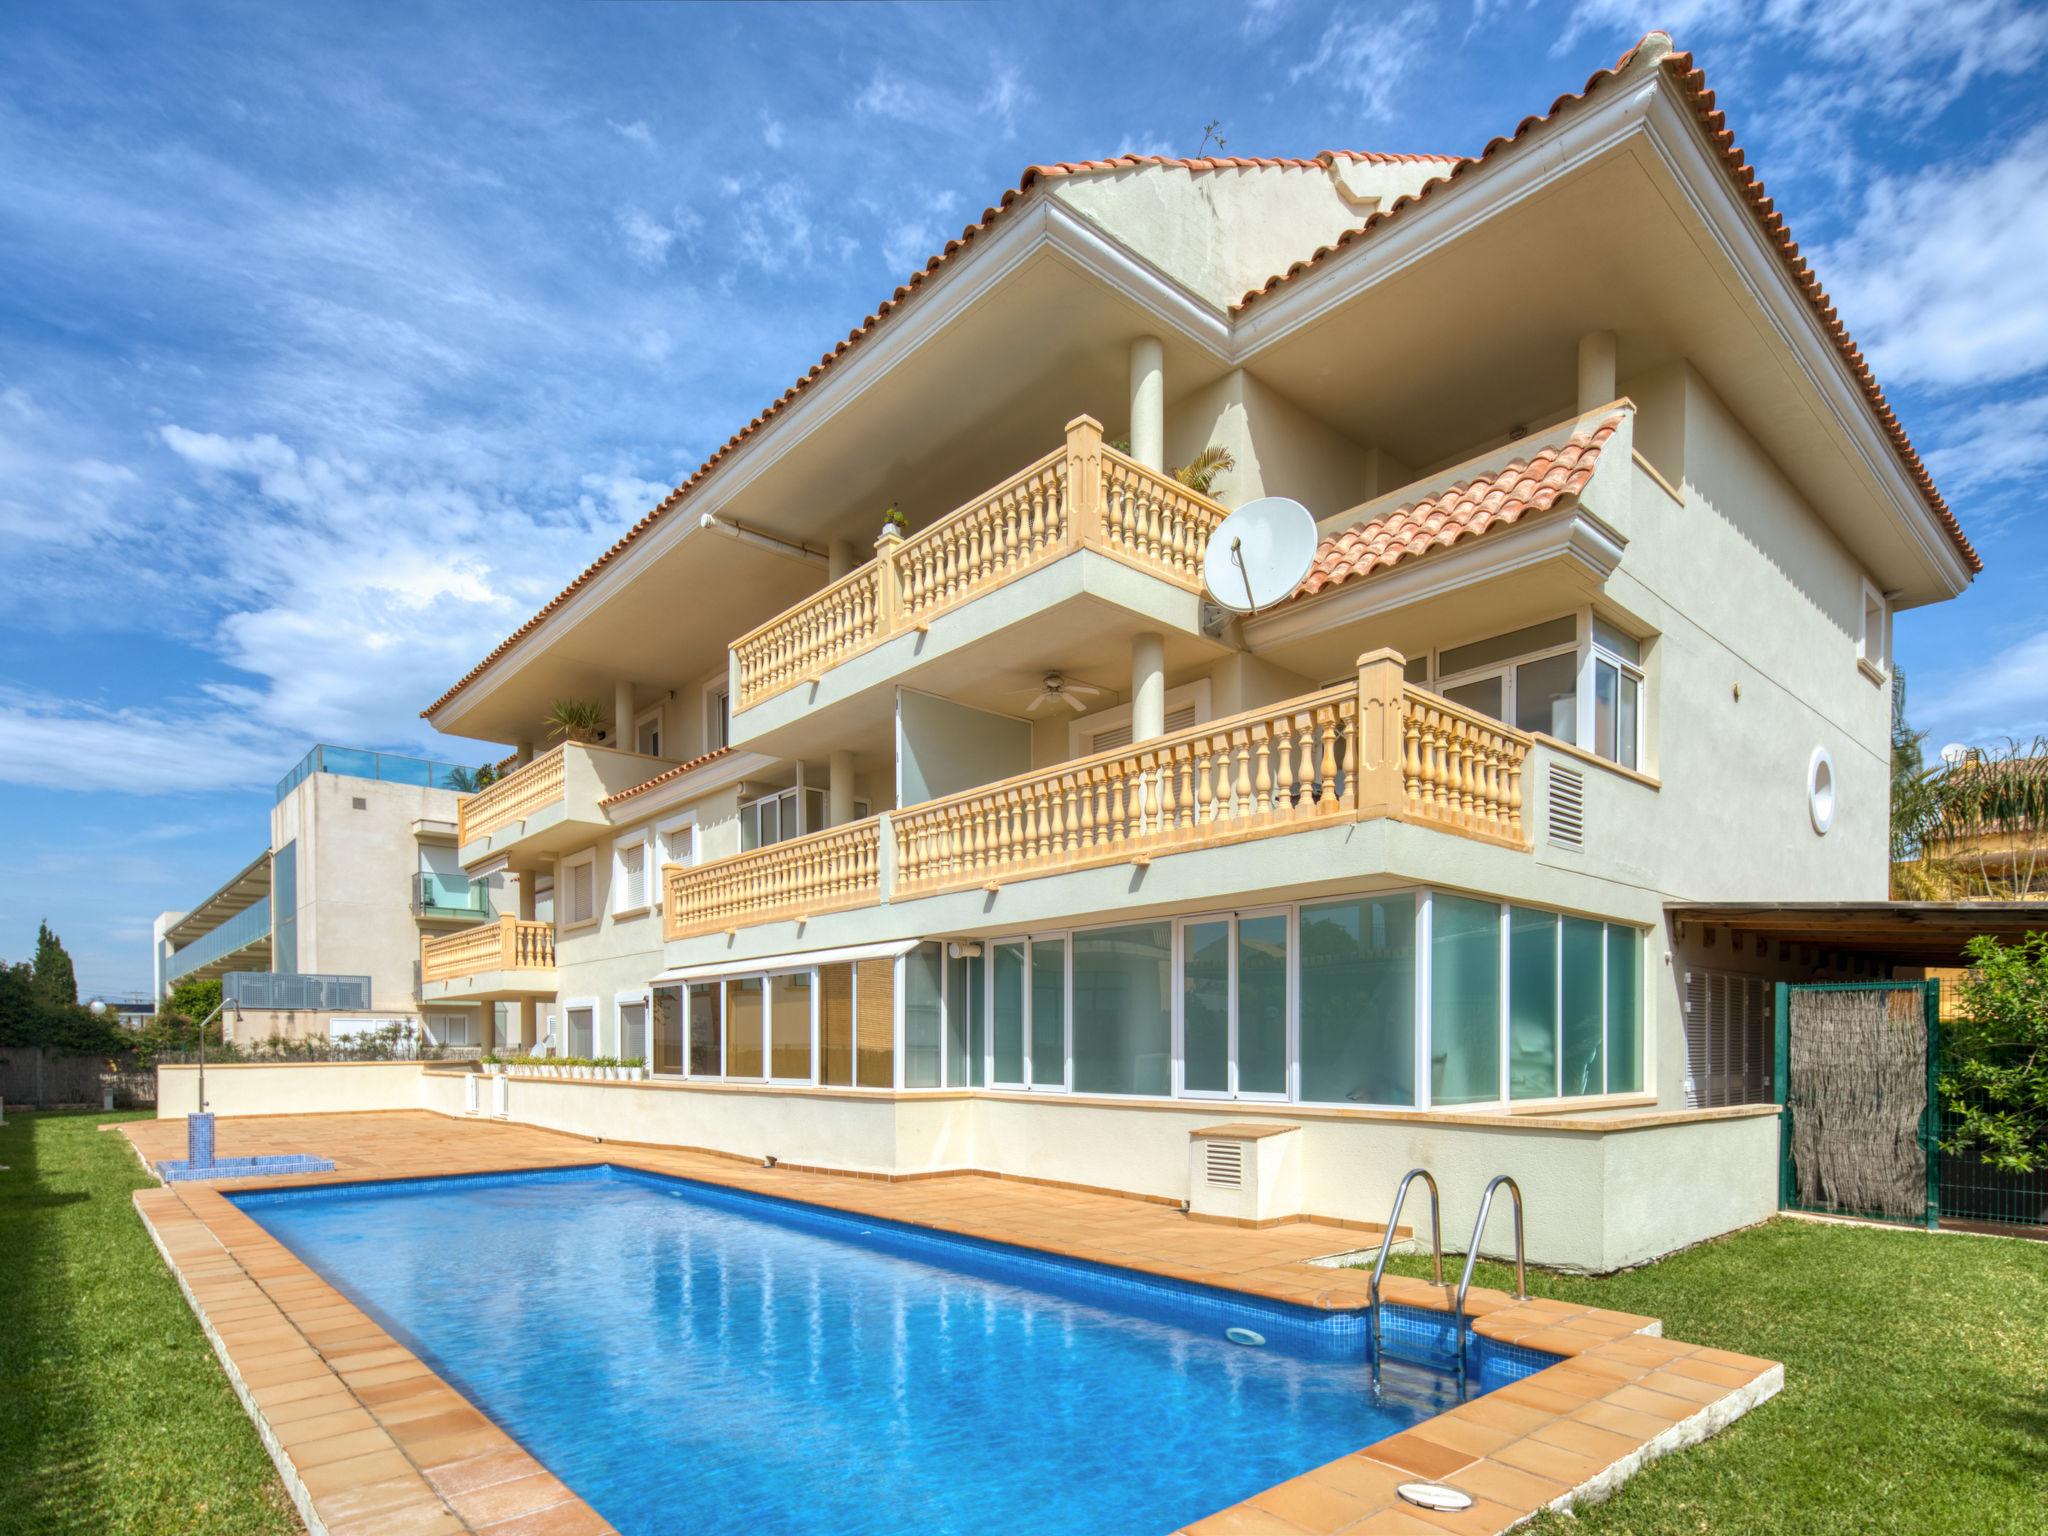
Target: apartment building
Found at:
x=992, y=841
x=320, y=932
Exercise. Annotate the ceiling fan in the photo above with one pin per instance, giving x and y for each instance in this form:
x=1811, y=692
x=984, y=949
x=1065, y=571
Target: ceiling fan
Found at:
x=1056, y=689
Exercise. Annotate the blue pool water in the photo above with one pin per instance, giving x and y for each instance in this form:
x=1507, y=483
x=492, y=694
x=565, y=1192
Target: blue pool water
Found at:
x=693, y=1359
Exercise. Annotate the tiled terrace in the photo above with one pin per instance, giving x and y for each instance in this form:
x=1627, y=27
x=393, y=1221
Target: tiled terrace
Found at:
x=373, y=1443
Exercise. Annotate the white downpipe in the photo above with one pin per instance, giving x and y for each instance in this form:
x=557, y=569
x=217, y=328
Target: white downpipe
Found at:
x=1148, y=402
x=1148, y=686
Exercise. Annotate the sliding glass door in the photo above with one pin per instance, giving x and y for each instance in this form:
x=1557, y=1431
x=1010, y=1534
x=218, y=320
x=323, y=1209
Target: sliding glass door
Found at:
x=1027, y=1013
x=1233, y=1001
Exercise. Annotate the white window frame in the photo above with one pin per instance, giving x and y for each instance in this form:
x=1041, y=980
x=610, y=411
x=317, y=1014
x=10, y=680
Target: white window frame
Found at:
x=649, y=878
x=644, y=999
x=652, y=712
x=1591, y=654
x=1030, y=941
x=675, y=842
x=565, y=887
x=1874, y=649
x=569, y=1006
x=716, y=688
x=1505, y=670
x=1081, y=727
x=1589, y=698
x=1232, y=1091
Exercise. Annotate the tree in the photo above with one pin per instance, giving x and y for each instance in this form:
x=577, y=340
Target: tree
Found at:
x=56, y=981
x=193, y=998
x=1995, y=1081
x=1993, y=818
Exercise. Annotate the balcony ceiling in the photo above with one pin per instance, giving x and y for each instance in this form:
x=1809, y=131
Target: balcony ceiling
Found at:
x=241, y=891
x=1481, y=336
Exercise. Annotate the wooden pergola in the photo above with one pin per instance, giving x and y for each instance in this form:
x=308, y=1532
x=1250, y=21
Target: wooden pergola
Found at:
x=1919, y=933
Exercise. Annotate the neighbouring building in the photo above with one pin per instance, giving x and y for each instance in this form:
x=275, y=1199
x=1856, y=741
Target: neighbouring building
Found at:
x=995, y=844
x=320, y=933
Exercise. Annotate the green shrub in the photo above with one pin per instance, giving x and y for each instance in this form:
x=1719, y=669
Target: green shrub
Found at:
x=1994, y=1079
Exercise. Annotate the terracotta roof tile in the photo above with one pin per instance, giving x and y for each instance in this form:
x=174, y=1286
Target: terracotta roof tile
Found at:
x=665, y=776
x=1497, y=499
x=1032, y=176
x=1693, y=83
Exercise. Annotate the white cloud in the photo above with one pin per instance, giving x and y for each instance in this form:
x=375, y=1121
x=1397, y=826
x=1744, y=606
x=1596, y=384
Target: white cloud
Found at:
x=1007, y=95
x=1261, y=19
x=890, y=95
x=2006, y=696
x=1368, y=56
x=772, y=228
x=55, y=743
x=1148, y=144
x=1940, y=279
x=636, y=132
x=1996, y=443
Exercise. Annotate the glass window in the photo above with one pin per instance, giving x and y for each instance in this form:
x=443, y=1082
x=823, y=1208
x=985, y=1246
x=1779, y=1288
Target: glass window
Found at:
x=707, y=1046
x=789, y=1026
x=1624, y=1009
x=667, y=1008
x=1583, y=1025
x=1048, y=1013
x=874, y=1009
x=1358, y=1001
x=1262, y=1004
x=1520, y=642
x=1205, y=1008
x=1532, y=1004
x=743, y=1057
x=835, y=1025
x=1487, y=695
x=1616, y=705
x=632, y=1031
x=1626, y=730
x=922, y=1016
x=1006, y=1013
x=1547, y=696
x=1464, y=1000
x=1608, y=638
x=965, y=1003
x=582, y=1022
x=1123, y=1010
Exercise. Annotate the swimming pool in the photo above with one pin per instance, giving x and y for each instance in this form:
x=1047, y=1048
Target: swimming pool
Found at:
x=693, y=1358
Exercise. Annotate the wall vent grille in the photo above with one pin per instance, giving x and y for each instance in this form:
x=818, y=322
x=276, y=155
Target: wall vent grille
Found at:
x=1566, y=807
x=1223, y=1164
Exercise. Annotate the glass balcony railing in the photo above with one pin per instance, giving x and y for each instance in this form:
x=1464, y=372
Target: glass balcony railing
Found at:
x=294, y=989
x=450, y=896
x=248, y=926
x=357, y=763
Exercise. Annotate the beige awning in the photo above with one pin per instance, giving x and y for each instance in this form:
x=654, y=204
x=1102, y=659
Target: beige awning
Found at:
x=845, y=955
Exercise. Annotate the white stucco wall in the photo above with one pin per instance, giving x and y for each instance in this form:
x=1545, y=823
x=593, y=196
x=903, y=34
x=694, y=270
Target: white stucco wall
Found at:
x=288, y=1088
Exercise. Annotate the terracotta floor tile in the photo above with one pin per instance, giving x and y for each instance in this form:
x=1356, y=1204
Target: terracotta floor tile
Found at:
x=1542, y=1459
x=1512, y=1486
x=474, y=1472
x=575, y=1519
x=1425, y=1458
x=1602, y=1445
x=322, y=1426
x=1240, y=1520
x=502, y=1501
x=1312, y=1504
x=351, y=1444
x=375, y=1467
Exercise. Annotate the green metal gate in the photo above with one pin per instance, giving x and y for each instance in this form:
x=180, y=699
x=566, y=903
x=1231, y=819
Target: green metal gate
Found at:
x=1860, y=1127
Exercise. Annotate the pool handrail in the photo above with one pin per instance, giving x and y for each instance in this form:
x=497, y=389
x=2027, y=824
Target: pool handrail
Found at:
x=1472, y=1259
x=1379, y=1268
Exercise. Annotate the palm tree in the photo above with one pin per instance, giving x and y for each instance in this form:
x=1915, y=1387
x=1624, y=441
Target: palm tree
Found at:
x=1916, y=810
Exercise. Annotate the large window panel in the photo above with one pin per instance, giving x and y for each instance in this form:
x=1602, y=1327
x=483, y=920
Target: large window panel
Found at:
x=921, y=1016
x=667, y=1008
x=1624, y=1009
x=874, y=1006
x=632, y=1031
x=1547, y=696
x=1205, y=1007
x=1583, y=1031
x=1006, y=1014
x=582, y=1031
x=707, y=1035
x=1464, y=1000
x=789, y=1026
x=1358, y=1001
x=835, y=1025
x=965, y=1004
x=743, y=1021
x=1262, y=1004
x=1532, y=1004
x=1123, y=1010
x=1048, y=1013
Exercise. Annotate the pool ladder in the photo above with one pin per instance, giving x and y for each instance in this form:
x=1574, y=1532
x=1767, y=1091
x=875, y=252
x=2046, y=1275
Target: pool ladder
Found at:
x=1436, y=1243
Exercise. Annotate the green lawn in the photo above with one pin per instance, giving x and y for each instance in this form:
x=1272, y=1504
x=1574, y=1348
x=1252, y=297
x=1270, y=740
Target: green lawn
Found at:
x=114, y=1414
x=1916, y=1383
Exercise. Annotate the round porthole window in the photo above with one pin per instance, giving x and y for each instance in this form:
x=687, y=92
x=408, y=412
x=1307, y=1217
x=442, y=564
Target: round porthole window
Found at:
x=1820, y=790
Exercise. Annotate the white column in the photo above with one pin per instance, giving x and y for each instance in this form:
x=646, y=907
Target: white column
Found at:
x=1148, y=402
x=840, y=559
x=1596, y=370
x=1148, y=686
x=528, y=1026
x=839, y=795
x=523, y=751
x=622, y=716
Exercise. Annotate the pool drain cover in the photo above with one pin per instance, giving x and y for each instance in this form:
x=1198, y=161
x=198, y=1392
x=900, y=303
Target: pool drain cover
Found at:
x=1244, y=1336
x=1435, y=1496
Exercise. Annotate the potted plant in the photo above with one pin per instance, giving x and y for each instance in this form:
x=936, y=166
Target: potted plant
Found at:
x=489, y=1062
x=576, y=720
x=894, y=522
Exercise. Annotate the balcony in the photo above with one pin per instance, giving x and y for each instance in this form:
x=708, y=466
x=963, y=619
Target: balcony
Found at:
x=551, y=804
x=1374, y=748
x=1084, y=496
x=441, y=898
x=512, y=957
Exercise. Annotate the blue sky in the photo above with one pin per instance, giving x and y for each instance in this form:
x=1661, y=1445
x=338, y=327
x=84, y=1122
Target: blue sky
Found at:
x=334, y=340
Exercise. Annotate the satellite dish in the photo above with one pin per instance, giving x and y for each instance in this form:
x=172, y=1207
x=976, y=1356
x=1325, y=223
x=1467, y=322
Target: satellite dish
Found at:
x=1954, y=753
x=1259, y=554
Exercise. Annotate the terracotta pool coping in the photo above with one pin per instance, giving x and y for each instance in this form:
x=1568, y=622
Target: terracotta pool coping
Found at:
x=371, y=1442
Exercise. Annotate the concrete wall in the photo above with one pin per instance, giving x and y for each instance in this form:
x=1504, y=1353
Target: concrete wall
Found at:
x=290, y=1088
x=943, y=747
x=1279, y=449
